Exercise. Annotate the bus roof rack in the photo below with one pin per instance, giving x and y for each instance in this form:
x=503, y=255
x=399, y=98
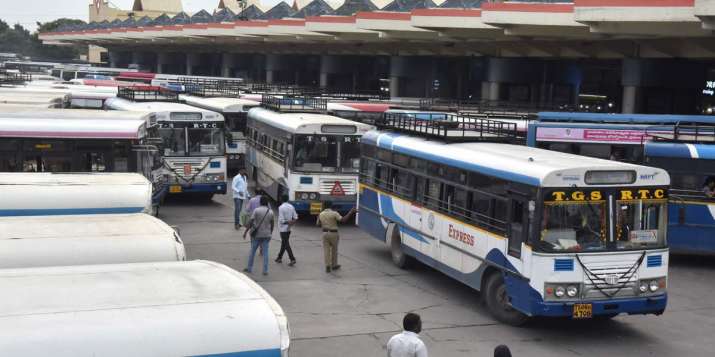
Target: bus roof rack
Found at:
x=503, y=109
x=294, y=104
x=206, y=87
x=274, y=88
x=13, y=78
x=147, y=94
x=685, y=133
x=451, y=127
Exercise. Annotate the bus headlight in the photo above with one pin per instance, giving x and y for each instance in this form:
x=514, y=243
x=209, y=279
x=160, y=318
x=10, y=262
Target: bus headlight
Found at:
x=559, y=291
x=572, y=291
x=652, y=285
x=307, y=196
x=643, y=288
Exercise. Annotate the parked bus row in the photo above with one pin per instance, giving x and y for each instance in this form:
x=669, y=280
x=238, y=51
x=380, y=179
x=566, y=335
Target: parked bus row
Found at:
x=117, y=276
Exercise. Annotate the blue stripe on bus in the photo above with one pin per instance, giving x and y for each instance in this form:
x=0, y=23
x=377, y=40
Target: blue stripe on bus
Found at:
x=274, y=352
x=386, y=141
x=388, y=211
x=69, y=211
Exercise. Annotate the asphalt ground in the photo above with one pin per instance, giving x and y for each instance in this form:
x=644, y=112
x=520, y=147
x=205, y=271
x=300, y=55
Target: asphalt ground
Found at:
x=355, y=310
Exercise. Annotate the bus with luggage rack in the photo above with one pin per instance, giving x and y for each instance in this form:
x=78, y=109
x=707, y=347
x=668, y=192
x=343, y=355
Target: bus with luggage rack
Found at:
x=539, y=233
x=680, y=144
x=312, y=157
x=193, y=139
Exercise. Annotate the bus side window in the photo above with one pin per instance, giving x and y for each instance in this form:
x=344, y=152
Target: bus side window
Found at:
x=432, y=195
x=420, y=190
x=517, y=227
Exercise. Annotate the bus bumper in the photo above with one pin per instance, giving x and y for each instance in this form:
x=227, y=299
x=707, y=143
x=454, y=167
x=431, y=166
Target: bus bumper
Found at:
x=342, y=207
x=631, y=306
x=219, y=187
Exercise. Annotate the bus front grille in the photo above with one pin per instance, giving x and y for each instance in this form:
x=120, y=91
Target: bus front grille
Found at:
x=328, y=186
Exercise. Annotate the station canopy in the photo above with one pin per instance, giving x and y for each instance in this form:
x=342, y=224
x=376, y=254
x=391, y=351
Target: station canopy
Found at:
x=351, y=7
x=202, y=17
x=281, y=10
x=251, y=13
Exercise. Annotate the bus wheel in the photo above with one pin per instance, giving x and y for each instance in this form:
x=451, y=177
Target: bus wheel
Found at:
x=498, y=301
x=398, y=256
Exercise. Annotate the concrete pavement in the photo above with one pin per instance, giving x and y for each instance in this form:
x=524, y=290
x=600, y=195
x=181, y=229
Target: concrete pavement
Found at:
x=355, y=310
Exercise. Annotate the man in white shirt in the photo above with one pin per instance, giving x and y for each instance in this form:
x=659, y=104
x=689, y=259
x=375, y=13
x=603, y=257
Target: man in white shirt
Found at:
x=240, y=194
x=408, y=343
x=286, y=218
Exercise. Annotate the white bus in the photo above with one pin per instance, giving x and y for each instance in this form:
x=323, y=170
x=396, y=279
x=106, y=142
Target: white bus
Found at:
x=193, y=149
x=45, y=100
x=73, y=140
x=311, y=157
x=80, y=96
x=540, y=233
x=194, y=308
x=37, y=241
x=43, y=194
x=235, y=113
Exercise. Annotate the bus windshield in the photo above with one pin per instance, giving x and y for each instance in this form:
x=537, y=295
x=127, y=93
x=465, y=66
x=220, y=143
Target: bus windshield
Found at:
x=174, y=141
x=580, y=220
x=318, y=153
x=572, y=226
x=206, y=142
x=350, y=154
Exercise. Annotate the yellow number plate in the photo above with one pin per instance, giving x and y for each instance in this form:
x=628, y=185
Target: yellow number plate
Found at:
x=175, y=189
x=316, y=207
x=582, y=311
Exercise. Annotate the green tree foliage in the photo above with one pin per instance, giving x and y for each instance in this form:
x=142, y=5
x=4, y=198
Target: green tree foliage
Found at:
x=18, y=40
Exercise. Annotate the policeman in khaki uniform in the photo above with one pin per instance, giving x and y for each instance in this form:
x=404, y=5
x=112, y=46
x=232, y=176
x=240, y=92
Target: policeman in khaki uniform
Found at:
x=328, y=220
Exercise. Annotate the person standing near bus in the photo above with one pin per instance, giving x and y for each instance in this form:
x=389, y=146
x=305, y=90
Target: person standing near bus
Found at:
x=254, y=203
x=260, y=226
x=286, y=218
x=240, y=195
x=408, y=343
x=328, y=220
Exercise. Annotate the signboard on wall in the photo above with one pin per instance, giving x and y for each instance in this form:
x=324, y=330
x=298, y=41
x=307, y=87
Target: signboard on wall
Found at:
x=590, y=135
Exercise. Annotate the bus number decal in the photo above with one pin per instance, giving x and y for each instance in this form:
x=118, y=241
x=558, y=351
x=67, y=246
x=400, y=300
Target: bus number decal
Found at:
x=461, y=236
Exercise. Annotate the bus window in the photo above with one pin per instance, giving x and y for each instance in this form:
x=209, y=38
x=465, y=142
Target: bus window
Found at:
x=316, y=153
x=403, y=183
x=94, y=162
x=382, y=176
x=569, y=226
x=459, y=202
x=350, y=154
x=174, y=141
x=640, y=223
x=432, y=196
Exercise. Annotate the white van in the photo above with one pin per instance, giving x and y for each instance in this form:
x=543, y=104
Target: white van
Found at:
x=39, y=241
x=40, y=193
x=195, y=308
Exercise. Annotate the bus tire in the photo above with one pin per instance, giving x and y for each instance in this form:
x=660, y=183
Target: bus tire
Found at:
x=498, y=301
x=399, y=257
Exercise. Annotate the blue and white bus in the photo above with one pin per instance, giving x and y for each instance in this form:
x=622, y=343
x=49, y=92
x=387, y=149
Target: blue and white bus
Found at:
x=540, y=233
x=193, y=143
x=311, y=157
x=652, y=140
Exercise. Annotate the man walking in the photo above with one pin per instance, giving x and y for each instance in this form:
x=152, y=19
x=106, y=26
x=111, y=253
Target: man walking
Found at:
x=260, y=226
x=408, y=343
x=254, y=203
x=240, y=195
x=286, y=218
x=328, y=220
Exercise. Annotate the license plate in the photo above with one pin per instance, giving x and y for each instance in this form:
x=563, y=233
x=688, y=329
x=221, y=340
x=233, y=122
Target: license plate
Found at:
x=582, y=311
x=175, y=189
x=316, y=207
